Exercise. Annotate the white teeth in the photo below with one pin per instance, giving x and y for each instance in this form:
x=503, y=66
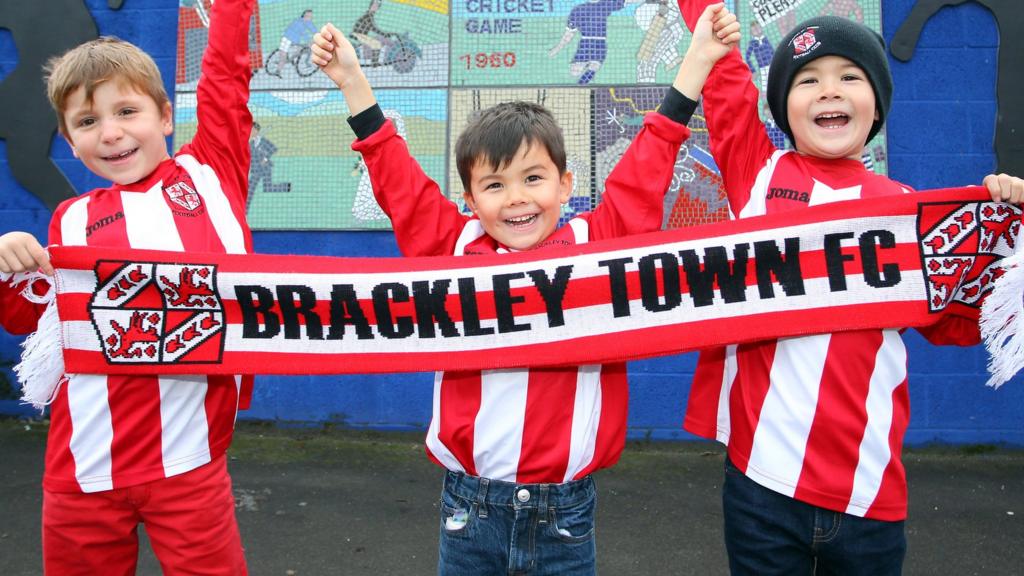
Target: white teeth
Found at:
x=121, y=155
x=520, y=219
x=830, y=116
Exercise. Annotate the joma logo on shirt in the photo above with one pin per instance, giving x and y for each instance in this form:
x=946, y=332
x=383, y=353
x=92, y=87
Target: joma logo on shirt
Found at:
x=110, y=219
x=788, y=194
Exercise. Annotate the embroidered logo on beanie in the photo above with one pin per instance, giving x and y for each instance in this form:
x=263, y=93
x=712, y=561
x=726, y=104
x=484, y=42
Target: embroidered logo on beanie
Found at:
x=805, y=42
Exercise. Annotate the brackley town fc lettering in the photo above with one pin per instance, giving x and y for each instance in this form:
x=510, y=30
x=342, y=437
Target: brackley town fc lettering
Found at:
x=430, y=309
x=909, y=260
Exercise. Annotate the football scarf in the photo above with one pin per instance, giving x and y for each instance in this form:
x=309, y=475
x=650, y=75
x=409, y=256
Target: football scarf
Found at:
x=905, y=261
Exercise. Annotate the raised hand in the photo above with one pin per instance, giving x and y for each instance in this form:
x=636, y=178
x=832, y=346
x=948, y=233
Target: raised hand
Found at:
x=335, y=55
x=716, y=32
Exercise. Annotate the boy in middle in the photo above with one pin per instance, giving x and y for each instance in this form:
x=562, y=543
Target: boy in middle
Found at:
x=520, y=445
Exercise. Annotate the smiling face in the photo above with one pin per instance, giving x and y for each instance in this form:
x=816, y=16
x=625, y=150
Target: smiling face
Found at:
x=121, y=134
x=519, y=204
x=831, y=108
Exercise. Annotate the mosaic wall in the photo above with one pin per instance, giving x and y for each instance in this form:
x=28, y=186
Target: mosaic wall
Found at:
x=599, y=65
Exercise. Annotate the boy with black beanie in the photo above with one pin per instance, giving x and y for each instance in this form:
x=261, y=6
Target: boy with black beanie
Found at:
x=829, y=36
x=814, y=425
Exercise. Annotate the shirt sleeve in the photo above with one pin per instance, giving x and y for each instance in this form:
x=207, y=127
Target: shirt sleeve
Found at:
x=426, y=223
x=223, y=118
x=634, y=194
x=953, y=330
x=17, y=314
x=739, y=142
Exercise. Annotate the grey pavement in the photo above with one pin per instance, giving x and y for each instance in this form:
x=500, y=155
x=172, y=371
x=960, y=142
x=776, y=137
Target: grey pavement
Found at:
x=333, y=502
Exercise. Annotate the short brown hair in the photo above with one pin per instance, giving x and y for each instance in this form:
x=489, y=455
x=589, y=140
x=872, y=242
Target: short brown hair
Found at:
x=90, y=64
x=497, y=133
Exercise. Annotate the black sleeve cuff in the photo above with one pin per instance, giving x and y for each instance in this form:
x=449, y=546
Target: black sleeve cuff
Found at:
x=677, y=106
x=367, y=122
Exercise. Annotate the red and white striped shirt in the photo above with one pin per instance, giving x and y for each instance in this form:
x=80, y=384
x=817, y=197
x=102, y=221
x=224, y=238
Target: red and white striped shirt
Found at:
x=818, y=418
x=115, y=431
x=525, y=425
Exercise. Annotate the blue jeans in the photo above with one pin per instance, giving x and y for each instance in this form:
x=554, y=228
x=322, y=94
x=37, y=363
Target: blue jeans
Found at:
x=489, y=527
x=770, y=533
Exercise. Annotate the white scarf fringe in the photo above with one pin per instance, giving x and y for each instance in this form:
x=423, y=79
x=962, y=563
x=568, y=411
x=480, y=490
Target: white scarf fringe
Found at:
x=29, y=279
x=1002, y=316
x=41, y=369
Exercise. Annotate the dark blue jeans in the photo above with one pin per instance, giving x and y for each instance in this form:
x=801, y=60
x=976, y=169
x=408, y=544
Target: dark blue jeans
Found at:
x=490, y=527
x=768, y=533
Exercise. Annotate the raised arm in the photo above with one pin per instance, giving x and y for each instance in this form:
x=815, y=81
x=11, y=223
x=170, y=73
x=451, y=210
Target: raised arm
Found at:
x=738, y=139
x=224, y=120
x=715, y=34
x=336, y=56
x=633, y=201
x=425, y=222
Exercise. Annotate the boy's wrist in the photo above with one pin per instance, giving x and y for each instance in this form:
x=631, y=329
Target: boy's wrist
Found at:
x=367, y=122
x=692, y=74
x=677, y=106
x=358, y=93
x=351, y=78
x=698, y=60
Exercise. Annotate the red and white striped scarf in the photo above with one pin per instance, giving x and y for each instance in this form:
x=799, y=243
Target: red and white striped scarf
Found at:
x=876, y=263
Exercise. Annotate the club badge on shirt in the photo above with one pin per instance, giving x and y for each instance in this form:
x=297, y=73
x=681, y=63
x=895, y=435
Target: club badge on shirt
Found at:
x=183, y=195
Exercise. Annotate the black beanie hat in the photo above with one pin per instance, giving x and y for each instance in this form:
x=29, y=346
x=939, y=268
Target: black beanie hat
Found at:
x=829, y=36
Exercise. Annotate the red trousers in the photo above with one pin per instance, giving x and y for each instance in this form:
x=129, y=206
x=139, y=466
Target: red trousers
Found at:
x=189, y=518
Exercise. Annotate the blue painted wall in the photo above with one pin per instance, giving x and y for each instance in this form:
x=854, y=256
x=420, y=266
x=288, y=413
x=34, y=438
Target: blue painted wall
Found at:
x=940, y=133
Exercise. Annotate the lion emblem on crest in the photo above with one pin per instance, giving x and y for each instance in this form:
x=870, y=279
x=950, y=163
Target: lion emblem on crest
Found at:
x=961, y=249
x=157, y=313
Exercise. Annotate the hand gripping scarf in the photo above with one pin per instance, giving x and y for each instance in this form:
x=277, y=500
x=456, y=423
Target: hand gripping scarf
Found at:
x=903, y=261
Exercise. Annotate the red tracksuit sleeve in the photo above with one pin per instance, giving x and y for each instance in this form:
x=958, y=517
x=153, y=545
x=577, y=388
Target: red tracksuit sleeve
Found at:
x=18, y=315
x=634, y=195
x=425, y=222
x=223, y=118
x=738, y=139
x=953, y=330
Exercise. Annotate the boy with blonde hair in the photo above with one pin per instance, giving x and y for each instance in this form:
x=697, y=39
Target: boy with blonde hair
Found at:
x=123, y=449
x=814, y=425
x=520, y=445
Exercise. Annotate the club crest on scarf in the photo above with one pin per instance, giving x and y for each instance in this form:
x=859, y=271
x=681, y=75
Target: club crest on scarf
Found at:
x=961, y=245
x=155, y=313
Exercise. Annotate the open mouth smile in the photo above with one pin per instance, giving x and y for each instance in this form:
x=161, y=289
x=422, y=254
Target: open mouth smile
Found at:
x=122, y=156
x=832, y=120
x=521, y=221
